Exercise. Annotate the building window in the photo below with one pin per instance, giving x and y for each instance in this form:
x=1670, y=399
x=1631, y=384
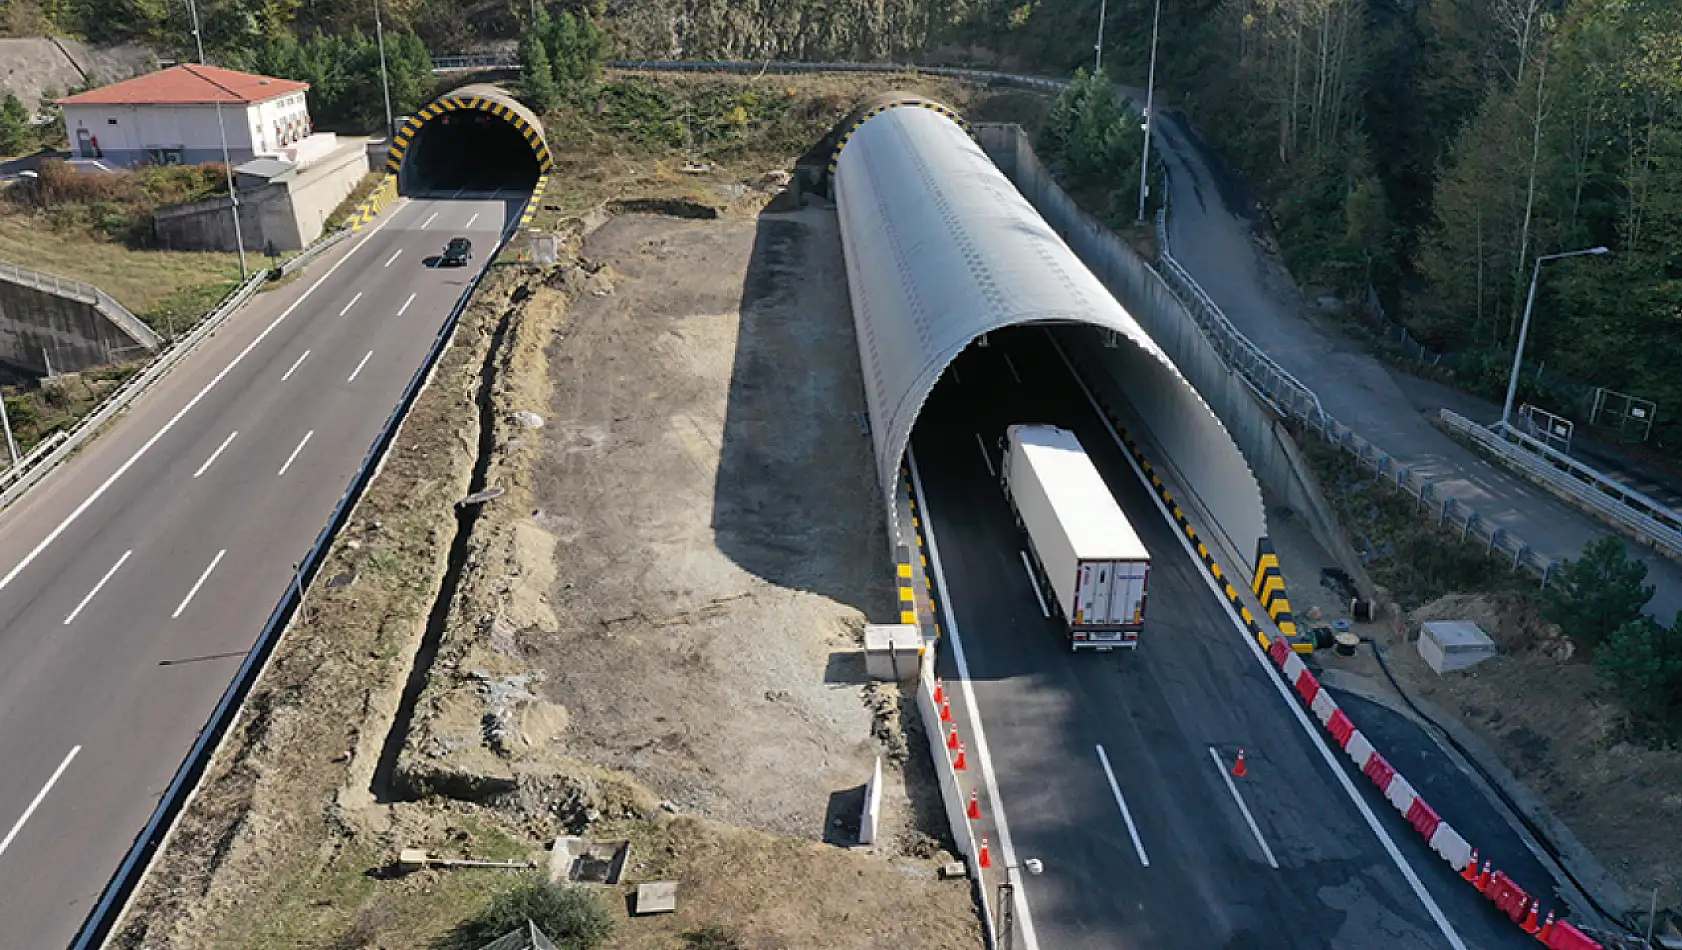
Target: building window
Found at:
x=110, y=121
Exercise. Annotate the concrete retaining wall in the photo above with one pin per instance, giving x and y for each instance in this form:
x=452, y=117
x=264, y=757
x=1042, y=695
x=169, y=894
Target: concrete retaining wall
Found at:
x=289, y=215
x=42, y=332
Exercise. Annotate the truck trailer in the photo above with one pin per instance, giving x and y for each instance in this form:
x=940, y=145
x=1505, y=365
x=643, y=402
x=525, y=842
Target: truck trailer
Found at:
x=1084, y=551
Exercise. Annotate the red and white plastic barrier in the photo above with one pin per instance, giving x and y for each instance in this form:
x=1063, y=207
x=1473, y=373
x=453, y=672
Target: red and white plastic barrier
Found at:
x=1449, y=844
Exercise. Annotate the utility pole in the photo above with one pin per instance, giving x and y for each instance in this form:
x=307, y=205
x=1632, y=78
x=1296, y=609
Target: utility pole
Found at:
x=1524, y=330
x=1098, y=47
x=227, y=163
x=6, y=424
x=385, y=82
x=1150, y=92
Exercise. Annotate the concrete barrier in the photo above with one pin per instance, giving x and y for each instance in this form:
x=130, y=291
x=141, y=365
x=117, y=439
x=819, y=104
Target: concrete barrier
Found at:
x=870, y=817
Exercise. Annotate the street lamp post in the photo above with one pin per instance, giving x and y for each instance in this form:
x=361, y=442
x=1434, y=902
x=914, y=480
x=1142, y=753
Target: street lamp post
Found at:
x=6, y=424
x=385, y=83
x=1150, y=92
x=1524, y=328
x=1004, y=928
x=227, y=163
x=1098, y=47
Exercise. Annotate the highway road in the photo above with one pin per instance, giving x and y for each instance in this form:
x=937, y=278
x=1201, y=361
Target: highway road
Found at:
x=135, y=579
x=1112, y=769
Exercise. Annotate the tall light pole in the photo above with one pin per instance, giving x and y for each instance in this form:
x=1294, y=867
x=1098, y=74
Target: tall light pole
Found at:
x=1150, y=92
x=385, y=83
x=227, y=163
x=6, y=424
x=1524, y=328
x=1098, y=47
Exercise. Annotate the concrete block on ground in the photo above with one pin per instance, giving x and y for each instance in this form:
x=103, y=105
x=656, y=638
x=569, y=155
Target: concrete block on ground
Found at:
x=872, y=815
x=1449, y=645
x=657, y=897
x=892, y=651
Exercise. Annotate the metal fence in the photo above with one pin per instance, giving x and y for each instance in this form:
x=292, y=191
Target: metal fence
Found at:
x=456, y=64
x=529, y=937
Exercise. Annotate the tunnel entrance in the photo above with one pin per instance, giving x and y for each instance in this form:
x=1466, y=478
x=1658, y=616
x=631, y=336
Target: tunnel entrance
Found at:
x=476, y=138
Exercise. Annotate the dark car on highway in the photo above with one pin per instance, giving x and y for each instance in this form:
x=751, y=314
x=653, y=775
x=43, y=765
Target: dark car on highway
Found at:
x=457, y=253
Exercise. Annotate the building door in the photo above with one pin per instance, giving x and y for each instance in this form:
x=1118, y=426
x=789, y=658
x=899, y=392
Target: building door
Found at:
x=84, y=142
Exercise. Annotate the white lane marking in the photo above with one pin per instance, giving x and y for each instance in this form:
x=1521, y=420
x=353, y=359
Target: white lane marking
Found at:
x=1012, y=366
x=428, y=220
x=1034, y=582
x=294, y=456
x=40, y=797
x=1007, y=848
x=1285, y=695
x=353, y=300
x=96, y=587
x=358, y=370
x=405, y=305
x=199, y=583
x=985, y=458
x=212, y=460
x=471, y=220
x=295, y=366
x=1127, y=816
x=122, y=469
x=388, y=260
x=1249, y=819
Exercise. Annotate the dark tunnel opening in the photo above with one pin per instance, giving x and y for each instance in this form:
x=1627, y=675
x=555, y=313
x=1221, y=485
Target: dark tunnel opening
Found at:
x=468, y=149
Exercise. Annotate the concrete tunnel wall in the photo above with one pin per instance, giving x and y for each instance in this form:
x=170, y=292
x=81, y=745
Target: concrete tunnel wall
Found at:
x=941, y=247
x=479, y=97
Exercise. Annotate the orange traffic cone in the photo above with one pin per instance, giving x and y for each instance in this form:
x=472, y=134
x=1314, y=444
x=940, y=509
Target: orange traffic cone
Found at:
x=975, y=814
x=1484, y=878
x=1547, y=928
x=945, y=712
x=1470, y=875
x=939, y=690
x=986, y=857
x=959, y=764
x=952, y=739
x=1531, y=925
x=1239, y=768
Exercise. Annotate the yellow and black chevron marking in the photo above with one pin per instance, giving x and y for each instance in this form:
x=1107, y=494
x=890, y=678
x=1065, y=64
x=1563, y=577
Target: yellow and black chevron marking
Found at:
x=372, y=205
x=535, y=202
x=906, y=580
x=907, y=594
x=1269, y=586
x=406, y=134
x=922, y=104
x=1287, y=629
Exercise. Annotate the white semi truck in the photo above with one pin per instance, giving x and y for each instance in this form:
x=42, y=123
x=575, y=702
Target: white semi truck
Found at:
x=1083, y=549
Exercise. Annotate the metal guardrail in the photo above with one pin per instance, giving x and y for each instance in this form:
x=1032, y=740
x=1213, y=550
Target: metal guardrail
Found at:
x=113, y=901
x=310, y=253
x=1652, y=523
x=456, y=64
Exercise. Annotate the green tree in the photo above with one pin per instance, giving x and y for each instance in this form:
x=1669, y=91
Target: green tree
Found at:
x=1599, y=592
x=15, y=134
x=573, y=917
x=1643, y=661
x=537, y=77
x=577, y=52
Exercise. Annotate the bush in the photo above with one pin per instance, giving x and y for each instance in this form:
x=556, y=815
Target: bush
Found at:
x=573, y=917
x=1643, y=661
x=1599, y=592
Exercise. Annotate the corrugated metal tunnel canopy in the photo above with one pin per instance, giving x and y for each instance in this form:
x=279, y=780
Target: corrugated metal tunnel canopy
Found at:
x=482, y=99
x=940, y=249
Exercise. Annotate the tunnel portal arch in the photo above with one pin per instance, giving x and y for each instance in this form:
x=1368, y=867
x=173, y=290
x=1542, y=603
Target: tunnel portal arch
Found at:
x=941, y=249
x=407, y=158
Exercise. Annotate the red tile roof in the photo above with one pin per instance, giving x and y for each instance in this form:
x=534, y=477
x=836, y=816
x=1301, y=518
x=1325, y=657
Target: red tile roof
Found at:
x=188, y=84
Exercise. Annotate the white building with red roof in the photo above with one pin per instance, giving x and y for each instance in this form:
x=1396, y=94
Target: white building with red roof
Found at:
x=169, y=117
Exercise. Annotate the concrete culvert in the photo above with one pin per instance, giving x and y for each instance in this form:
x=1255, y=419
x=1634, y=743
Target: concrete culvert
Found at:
x=476, y=137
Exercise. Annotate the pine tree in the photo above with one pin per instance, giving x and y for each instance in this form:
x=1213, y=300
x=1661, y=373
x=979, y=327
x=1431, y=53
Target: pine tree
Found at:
x=537, y=79
x=14, y=126
x=1599, y=592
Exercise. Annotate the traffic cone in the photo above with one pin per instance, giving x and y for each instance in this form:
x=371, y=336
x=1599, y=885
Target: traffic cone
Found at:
x=945, y=712
x=1470, y=875
x=958, y=764
x=1531, y=925
x=1484, y=878
x=1547, y=928
x=985, y=859
x=974, y=814
x=939, y=690
x=1239, y=769
x=952, y=739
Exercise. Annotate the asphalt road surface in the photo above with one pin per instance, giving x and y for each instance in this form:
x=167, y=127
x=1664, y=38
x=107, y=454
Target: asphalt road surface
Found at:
x=134, y=581
x=1162, y=855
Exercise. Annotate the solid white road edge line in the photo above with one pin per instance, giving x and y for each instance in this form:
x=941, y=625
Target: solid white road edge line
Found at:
x=214, y=455
x=122, y=469
x=1127, y=816
x=985, y=458
x=97, y=586
x=405, y=305
x=295, y=366
x=294, y=456
x=1012, y=365
x=199, y=583
x=358, y=370
x=1279, y=687
x=1034, y=583
x=1249, y=819
x=393, y=257
x=39, y=798
x=353, y=301
x=1007, y=849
